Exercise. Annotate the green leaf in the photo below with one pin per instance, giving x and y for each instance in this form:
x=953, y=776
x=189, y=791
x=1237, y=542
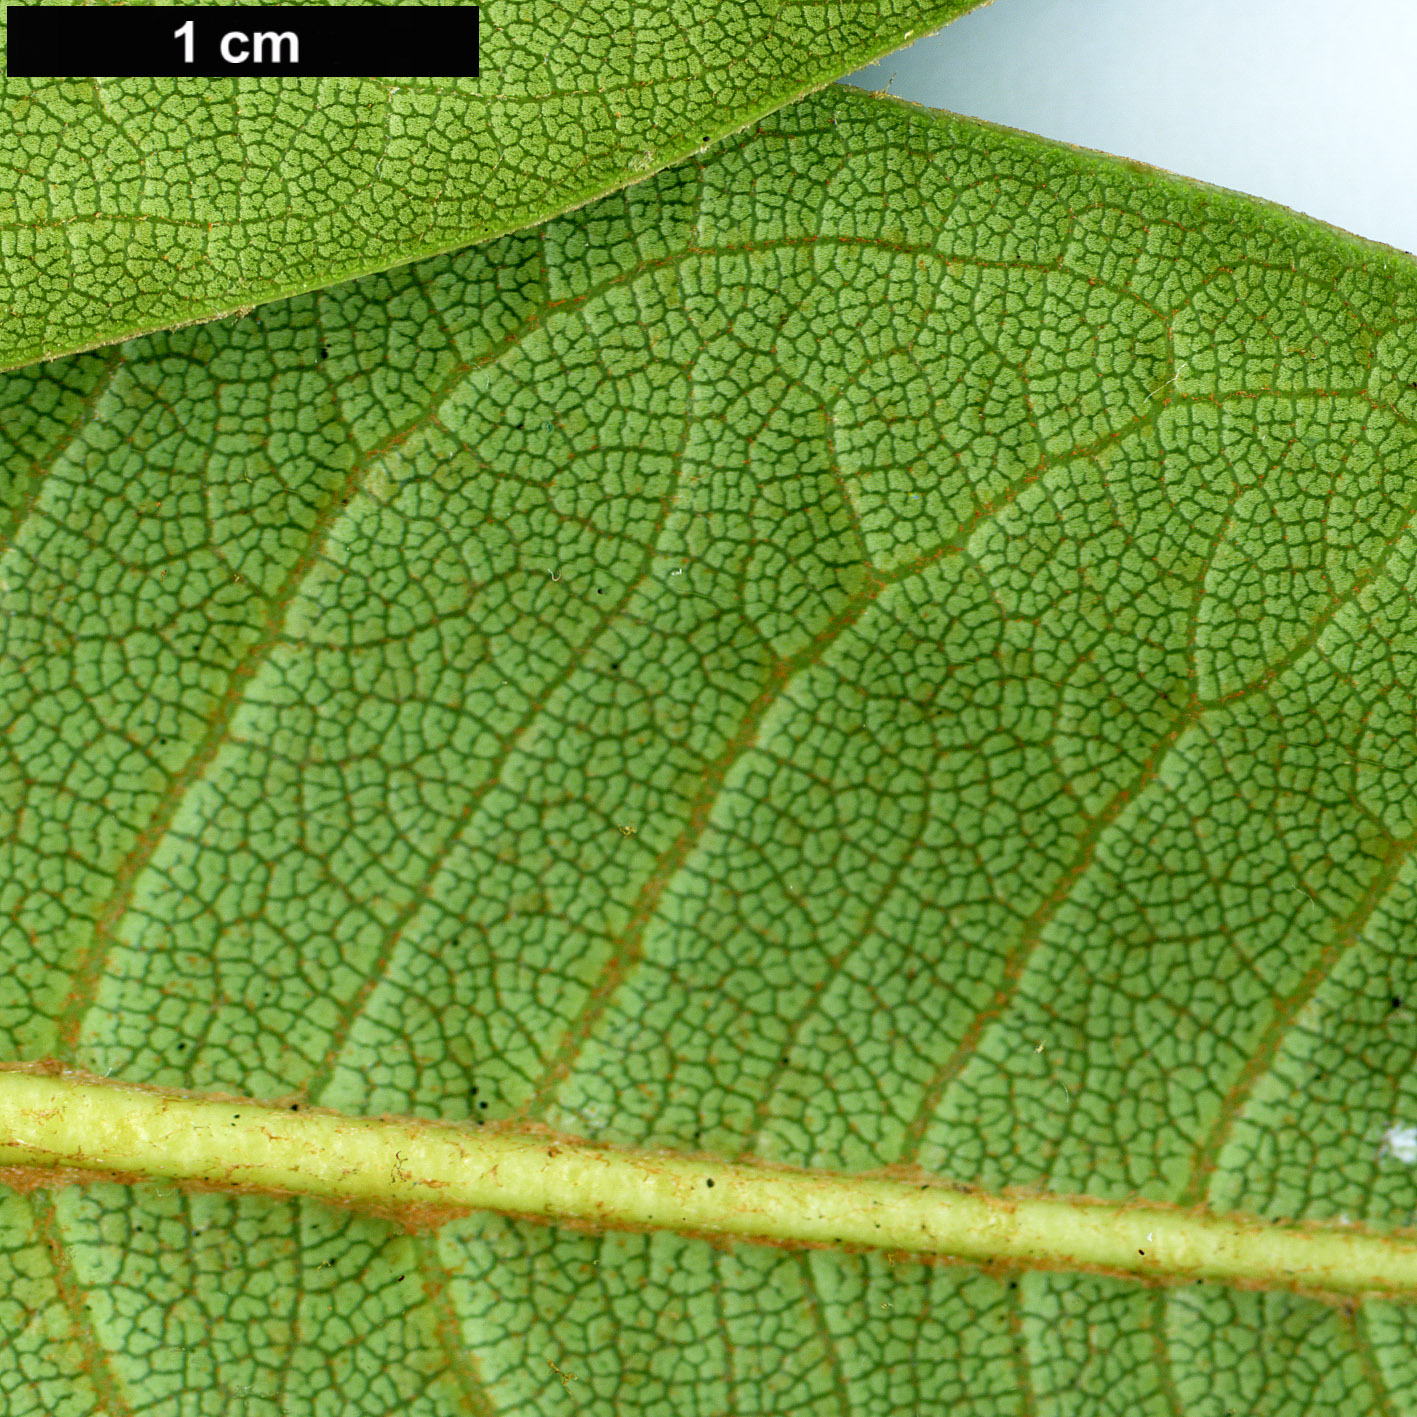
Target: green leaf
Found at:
x=887, y=646
x=130, y=205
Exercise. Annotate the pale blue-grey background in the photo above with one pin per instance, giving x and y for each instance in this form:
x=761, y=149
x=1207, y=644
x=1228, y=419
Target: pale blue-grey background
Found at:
x=1312, y=103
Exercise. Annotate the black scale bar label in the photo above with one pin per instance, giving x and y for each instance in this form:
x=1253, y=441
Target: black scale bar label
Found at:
x=218, y=41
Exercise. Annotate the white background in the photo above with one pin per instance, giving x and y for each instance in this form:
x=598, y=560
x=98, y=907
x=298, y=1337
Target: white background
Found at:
x=1310, y=103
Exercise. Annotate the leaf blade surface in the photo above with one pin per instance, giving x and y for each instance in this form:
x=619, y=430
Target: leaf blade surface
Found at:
x=759, y=666
x=136, y=204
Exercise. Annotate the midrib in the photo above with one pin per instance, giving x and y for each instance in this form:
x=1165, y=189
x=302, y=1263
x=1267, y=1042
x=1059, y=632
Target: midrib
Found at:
x=51, y=1119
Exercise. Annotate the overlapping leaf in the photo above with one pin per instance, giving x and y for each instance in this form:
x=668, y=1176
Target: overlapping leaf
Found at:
x=892, y=642
x=128, y=205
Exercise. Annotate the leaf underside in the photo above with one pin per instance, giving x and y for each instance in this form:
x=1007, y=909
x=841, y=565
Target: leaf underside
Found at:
x=129, y=205
x=889, y=643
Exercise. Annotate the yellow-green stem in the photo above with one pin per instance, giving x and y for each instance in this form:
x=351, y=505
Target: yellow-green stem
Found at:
x=66, y=1121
